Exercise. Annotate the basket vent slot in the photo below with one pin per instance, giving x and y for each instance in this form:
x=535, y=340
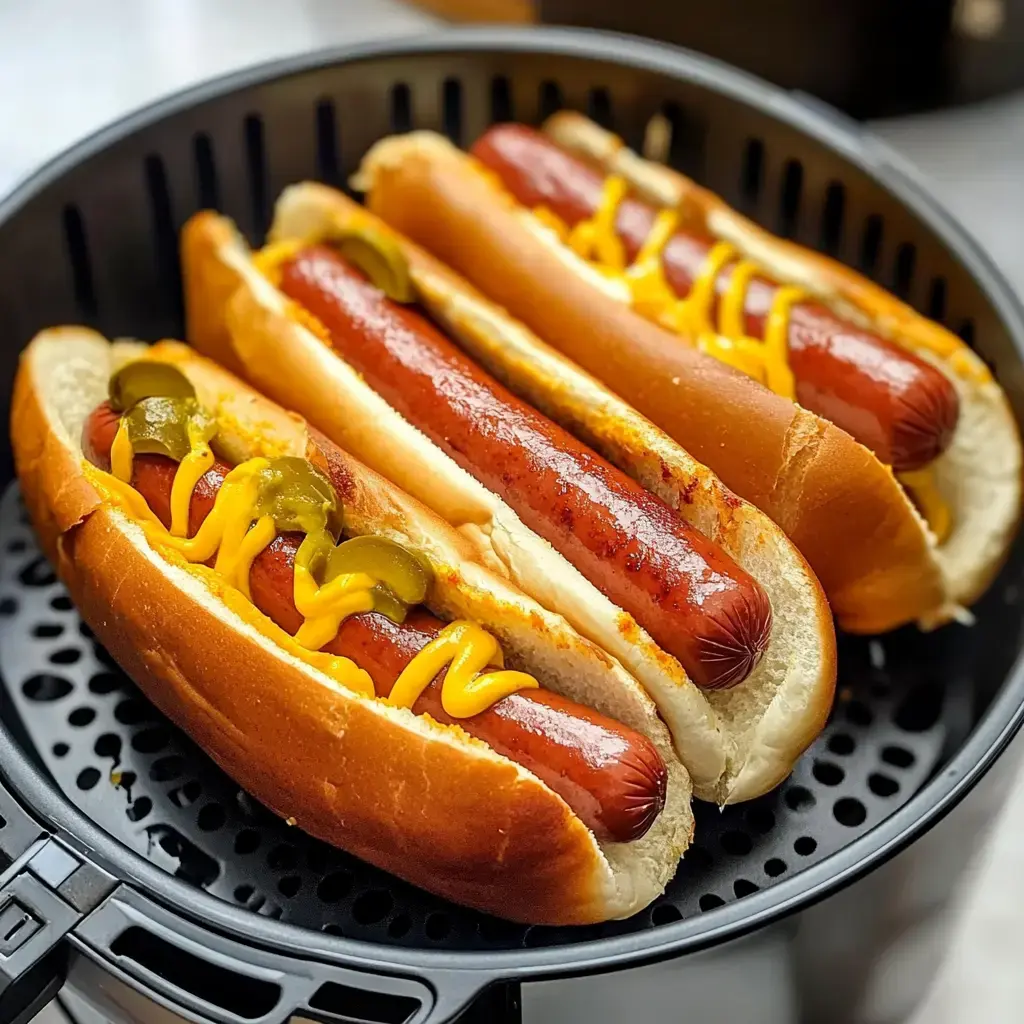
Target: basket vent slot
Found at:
x=207, y=188
x=81, y=262
x=328, y=166
x=550, y=99
x=401, y=108
x=256, y=166
x=686, y=139
x=501, y=99
x=451, y=109
x=789, y=197
x=752, y=173
x=832, y=218
x=966, y=332
x=241, y=994
x=165, y=234
x=936, y=308
x=903, y=273
x=871, y=244
x=599, y=107
x=360, y=1006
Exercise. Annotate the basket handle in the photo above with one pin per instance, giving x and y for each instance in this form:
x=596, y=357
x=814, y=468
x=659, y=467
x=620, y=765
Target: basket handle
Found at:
x=221, y=980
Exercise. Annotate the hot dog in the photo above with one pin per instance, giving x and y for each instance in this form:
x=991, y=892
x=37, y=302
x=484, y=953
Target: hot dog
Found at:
x=286, y=606
x=693, y=599
x=610, y=775
x=886, y=397
x=657, y=574
x=895, y=535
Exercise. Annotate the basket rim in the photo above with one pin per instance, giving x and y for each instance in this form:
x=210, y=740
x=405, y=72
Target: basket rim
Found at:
x=987, y=741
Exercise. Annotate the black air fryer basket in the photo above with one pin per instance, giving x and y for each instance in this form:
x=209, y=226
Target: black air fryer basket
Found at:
x=126, y=854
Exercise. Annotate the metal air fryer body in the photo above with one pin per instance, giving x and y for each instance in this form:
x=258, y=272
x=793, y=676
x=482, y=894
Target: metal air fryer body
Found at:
x=141, y=872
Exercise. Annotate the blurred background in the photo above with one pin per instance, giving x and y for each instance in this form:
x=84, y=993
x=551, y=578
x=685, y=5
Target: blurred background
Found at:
x=942, y=81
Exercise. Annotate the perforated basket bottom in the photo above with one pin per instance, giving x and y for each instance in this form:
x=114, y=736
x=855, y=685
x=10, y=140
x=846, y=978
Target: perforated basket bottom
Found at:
x=144, y=782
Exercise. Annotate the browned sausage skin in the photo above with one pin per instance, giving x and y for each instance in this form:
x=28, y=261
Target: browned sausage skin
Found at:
x=611, y=776
x=891, y=401
x=693, y=599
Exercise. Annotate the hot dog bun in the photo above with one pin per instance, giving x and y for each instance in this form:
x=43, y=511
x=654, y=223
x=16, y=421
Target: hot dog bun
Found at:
x=736, y=744
x=879, y=564
x=422, y=800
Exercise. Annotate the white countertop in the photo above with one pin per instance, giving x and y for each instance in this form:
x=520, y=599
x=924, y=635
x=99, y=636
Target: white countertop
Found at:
x=67, y=67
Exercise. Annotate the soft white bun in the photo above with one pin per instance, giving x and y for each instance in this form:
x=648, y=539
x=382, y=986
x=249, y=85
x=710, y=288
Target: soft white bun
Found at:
x=422, y=800
x=736, y=744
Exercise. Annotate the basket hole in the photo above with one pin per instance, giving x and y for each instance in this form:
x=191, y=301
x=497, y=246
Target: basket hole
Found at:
x=336, y=886
x=859, y=713
x=165, y=233
x=774, y=867
x=289, y=886
x=38, y=573
x=437, y=927
x=60, y=750
x=247, y=841
x=399, y=925
x=125, y=780
x=599, y=106
x=65, y=656
x=211, y=817
x=665, y=913
x=742, y=887
x=166, y=769
x=401, y=108
x=77, y=244
x=81, y=717
x=131, y=711
x=244, y=893
x=709, y=901
x=60, y=603
x=47, y=630
x=8, y=606
x=187, y=794
x=87, y=778
x=698, y=859
x=332, y=929
x=501, y=99
x=85, y=631
x=256, y=165
x=752, y=173
x=494, y=929
x=903, y=274
x=103, y=683
x=760, y=819
x=882, y=785
x=451, y=109
x=550, y=99
x=966, y=332
x=192, y=865
x=849, y=812
x=283, y=858
x=360, y=1006
x=207, y=189
x=842, y=744
x=318, y=858
x=805, y=846
x=832, y=218
x=799, y=798
x=937, y=299
x=151, y=741
x=108, y=744
x=827, y=773
x=327, y=164
x=789, y=197
x=16, y=547
x=898, y=757
x=920, y=709
x=739, y=844
x=139, y=808
x=45, y=687
x=871, y=244
x=372, y=906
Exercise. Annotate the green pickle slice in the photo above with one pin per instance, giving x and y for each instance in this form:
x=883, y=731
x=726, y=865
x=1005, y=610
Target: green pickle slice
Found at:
x=404, y=576
x=380, y=257
x=162, y=426
x=299, y=497
x=147, y=379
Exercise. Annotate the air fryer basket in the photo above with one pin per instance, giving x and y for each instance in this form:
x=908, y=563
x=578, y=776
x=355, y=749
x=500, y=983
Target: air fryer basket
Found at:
x=160, y=856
